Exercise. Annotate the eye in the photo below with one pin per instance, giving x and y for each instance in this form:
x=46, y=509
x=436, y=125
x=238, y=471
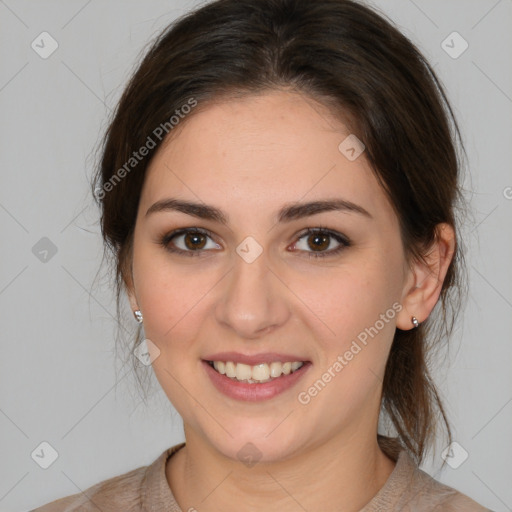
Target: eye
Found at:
x=319, y=240
x=194, y=242
x=188, y=241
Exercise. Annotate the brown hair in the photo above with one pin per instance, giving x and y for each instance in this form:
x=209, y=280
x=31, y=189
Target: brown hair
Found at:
x=351, y=59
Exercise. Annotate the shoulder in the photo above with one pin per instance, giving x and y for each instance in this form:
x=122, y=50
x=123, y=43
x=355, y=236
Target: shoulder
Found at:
x=410, y=489
x=426, y=493
x=122, y=492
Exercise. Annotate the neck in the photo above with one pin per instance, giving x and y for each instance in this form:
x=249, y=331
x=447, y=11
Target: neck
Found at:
x=202, y=478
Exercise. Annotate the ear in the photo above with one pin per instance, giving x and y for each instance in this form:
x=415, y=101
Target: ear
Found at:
x=131, y=297
x=424, y=281
x=127, y=277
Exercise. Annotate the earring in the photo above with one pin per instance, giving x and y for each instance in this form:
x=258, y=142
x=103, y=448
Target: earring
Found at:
x=415, y=322
x=138, y=316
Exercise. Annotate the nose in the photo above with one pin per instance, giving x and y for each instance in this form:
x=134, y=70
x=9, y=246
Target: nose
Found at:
x=254, y=300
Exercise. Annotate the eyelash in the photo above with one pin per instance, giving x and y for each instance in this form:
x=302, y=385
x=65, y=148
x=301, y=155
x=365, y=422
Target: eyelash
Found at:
x=342, y=239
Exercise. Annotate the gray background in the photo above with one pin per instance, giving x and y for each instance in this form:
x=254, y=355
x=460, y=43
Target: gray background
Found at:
x=59, y=379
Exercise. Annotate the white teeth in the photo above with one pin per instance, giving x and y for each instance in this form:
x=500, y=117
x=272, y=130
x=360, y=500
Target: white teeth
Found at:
x=262, y=372
x=275, y=369
x=243, y=371
x=230, y=369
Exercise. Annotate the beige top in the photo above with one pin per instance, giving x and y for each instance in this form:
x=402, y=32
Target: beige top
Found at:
x=145, y=489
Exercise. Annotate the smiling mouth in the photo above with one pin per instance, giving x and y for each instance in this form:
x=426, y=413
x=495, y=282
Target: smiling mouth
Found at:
x=255, y=374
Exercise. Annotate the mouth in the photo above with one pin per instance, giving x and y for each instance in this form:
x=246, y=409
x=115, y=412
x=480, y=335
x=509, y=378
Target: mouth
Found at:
x=257, y=382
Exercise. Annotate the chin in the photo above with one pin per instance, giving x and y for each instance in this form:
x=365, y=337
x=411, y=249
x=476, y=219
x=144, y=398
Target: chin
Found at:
x=252, y=443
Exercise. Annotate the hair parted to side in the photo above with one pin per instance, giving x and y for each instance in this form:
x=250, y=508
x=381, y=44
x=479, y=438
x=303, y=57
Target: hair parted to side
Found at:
x=351, y=59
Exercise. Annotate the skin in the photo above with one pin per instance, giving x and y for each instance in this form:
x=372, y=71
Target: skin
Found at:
x=249, y=157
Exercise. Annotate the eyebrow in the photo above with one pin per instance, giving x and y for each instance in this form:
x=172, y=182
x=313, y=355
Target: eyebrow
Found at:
x=287, y=213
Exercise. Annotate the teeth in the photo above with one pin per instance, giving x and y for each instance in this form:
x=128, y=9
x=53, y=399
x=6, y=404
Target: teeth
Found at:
x=258, y=373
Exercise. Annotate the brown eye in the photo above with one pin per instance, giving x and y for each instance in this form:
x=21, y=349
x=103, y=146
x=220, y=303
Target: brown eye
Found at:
x=189, y=242
x=194, y=240
x=318, y=240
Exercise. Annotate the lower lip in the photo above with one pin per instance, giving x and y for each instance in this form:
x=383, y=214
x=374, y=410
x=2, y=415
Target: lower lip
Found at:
x=254, y=392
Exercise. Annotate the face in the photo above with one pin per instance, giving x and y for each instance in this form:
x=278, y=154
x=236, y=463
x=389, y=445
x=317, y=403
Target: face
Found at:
x=259, y=285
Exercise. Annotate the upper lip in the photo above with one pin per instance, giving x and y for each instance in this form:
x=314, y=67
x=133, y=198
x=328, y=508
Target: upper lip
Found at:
x=254, y=359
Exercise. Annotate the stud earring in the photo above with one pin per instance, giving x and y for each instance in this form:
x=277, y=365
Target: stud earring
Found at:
x=138, y=316
x=415, y=322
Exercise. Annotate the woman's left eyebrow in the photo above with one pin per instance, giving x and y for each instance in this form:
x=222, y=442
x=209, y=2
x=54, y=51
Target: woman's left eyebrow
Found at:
x=299, y=210
x=289, y=212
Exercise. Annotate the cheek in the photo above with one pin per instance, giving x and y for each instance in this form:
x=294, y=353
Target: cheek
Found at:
x=351, y=306
x=353, y=326
x=173, y=314
x=167, y=295
x=348, y=298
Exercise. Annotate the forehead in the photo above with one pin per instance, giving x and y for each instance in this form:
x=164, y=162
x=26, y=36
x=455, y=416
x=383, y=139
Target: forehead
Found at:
x=260, y=152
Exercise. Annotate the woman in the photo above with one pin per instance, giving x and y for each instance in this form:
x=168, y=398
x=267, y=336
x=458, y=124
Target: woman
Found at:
x=284, y=229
